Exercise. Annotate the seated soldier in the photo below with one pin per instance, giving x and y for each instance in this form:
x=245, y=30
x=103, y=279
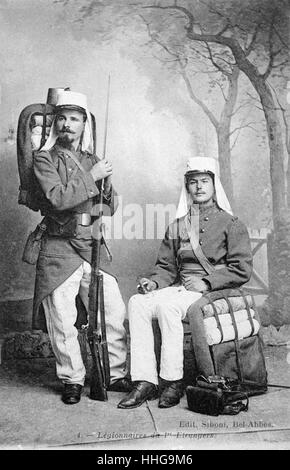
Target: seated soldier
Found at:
x=206, y=248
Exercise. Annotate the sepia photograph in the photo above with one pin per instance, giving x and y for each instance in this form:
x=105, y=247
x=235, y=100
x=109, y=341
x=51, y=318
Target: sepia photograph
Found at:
x=145, y=227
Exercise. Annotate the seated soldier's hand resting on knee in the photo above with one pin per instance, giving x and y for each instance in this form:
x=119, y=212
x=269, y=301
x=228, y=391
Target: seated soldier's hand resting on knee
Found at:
x=146, y=285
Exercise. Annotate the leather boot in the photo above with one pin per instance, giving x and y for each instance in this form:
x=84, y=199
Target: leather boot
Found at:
x=72, y=393
x=141, y=392
x=171, y=393
x=121, y=385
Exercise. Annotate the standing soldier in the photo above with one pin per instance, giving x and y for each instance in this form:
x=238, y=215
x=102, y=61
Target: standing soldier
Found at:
x=69, y=177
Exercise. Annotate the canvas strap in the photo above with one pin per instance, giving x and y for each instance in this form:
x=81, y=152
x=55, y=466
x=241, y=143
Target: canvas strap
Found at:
x=248, y=311
x=80, y=166
x=75, y=159
x=192, y=228
x=236, y=340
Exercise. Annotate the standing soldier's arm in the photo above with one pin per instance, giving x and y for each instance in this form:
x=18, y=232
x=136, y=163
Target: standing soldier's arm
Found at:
x=62, y=196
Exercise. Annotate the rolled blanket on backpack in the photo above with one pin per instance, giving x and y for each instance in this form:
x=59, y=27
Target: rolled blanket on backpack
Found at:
x=214, y=336
x=35, y=141
x=226, y=319
x=221, y=305
x=37, y=130
x=36, y=135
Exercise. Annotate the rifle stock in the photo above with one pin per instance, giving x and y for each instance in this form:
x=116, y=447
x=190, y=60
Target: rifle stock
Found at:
x=98, y=389
x=103, y=342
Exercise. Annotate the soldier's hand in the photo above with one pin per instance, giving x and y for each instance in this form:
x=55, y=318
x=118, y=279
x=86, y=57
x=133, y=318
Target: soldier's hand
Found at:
x=146, y=285
x=101, y=170
x=107, y=184
x=195, y=284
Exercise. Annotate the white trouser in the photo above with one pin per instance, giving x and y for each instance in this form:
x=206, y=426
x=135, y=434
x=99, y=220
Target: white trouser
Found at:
x=61, y=314
x=169, y=306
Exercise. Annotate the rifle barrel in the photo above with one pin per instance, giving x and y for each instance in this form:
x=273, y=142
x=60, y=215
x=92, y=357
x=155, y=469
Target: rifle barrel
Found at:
x=107, y=117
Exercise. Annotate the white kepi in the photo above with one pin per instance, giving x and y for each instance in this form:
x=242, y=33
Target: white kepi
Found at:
x=70, y=99
x=202, y=165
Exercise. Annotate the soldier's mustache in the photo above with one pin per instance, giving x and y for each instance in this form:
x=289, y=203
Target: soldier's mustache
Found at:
x=67, y=130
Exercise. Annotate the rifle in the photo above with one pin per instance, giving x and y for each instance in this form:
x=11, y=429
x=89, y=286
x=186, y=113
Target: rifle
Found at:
x=97, y=338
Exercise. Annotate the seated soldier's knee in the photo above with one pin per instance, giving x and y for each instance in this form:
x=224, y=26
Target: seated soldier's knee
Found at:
x=137, y=306
x=166, y=308
x=136, y=299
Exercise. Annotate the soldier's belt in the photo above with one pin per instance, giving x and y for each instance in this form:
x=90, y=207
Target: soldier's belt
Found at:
x=188, y=268
x=70, y=228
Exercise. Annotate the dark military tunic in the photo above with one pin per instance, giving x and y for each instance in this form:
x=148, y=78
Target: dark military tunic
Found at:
x=67, y=192
x=225, y=242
